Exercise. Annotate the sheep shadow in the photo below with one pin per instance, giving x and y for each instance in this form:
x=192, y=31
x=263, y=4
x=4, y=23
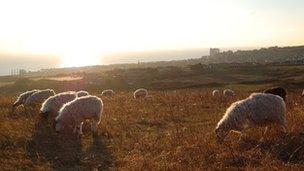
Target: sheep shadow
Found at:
x=63, y=151
x=97, y=155
x=46, y=146
x=288, y=148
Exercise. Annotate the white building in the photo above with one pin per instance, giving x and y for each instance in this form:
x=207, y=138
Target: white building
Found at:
x=214, y=51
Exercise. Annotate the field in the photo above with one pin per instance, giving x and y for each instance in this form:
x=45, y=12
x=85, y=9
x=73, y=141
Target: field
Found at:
x=173, y=130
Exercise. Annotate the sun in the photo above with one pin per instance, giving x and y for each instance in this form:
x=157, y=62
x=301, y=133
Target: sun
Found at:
x=78, y=59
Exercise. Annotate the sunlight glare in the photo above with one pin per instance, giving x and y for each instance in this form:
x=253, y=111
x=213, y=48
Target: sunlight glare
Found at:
x=81, y=31
x=77, y=59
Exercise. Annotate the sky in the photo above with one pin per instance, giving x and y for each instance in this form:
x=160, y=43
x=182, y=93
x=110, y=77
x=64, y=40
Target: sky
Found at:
x=90, y=32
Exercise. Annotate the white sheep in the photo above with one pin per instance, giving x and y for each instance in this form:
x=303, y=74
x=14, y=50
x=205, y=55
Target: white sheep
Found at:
x=215, y=92
x=82, y=93
x=74, y=113
x=54, y=103
x=23, y=97
x=140, y=93
x=39, y=97
x=228, y=92
x=108, y=93
x=259, y=109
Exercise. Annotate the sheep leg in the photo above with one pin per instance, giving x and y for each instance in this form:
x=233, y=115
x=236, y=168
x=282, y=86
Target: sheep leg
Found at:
x=75, y=129
x=94, y=127
x=80, y=128
x=26, y=110
x=283, y=124
x=13, y=109
x=284, y=127
x=264, y=133
x=242, y=136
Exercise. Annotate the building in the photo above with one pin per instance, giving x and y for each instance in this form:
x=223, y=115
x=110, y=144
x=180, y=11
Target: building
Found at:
x=22, y=72
x=214, y=51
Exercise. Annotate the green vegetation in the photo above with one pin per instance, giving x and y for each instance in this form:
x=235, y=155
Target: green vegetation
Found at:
x=163, y=78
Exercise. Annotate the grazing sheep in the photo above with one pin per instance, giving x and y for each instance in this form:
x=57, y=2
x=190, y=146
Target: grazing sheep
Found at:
x=39, y=97
x=140, y=93
x=54, y=103
x=228, y=92
x=215, y=92
x=280, y=91
x=82, y=93
x=259, y=109
x=22, y=98
x=74, y=113
x=108, y=93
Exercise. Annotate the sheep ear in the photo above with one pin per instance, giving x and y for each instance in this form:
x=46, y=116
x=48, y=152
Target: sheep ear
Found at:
x=54, y=123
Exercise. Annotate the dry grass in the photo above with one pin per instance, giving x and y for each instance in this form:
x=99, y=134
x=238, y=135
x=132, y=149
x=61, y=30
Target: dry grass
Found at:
x=171, y=131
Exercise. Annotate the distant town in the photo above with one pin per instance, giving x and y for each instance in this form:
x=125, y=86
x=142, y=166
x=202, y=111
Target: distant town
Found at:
x=263, y=56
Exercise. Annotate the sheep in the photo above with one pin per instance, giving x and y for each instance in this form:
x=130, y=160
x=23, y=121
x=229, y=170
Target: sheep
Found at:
x=74, y=113
x=216, y=92
x=259, y=109
x=54, y=103
x=280, y=91
x=82, y=93
x=140, y=93
x=39, y=97
x=23, y=97
x=108, y=93
x=228, y=92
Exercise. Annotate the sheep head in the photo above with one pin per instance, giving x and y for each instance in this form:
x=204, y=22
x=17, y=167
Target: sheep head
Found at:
x=220, y=134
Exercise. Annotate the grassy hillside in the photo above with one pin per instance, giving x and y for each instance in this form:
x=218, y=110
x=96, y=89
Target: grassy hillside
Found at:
x=164, y=78
x=171, y=131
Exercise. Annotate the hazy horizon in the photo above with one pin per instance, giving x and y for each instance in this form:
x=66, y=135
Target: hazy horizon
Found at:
x=34, y=62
